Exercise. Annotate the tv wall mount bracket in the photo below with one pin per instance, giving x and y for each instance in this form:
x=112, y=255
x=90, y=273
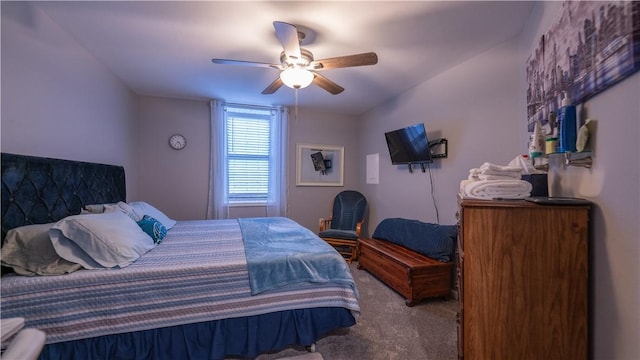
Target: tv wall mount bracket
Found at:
x=434, y=145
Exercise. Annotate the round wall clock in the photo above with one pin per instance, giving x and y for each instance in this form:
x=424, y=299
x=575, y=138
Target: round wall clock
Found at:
x=177, y=142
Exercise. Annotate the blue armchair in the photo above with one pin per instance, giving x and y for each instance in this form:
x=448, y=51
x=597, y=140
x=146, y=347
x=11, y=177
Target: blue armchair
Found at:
x=343, y=227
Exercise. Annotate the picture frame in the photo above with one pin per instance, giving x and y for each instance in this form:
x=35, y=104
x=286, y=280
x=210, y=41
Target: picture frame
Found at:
x=319, y=165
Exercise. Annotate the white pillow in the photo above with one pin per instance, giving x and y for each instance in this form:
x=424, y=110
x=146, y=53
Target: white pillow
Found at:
x=125, y=208
x=102, y=240
x=28, y=250
x=146, y=209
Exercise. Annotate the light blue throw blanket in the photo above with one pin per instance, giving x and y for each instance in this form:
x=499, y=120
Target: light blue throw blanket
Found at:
x=281, y=252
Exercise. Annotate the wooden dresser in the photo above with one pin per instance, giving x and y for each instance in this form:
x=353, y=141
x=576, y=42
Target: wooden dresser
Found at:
x=522, y=280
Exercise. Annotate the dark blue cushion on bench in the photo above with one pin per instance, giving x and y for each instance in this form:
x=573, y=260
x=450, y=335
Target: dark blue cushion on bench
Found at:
x=432, y=240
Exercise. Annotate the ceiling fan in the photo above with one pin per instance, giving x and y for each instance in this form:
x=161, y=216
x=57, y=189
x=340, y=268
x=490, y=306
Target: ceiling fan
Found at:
x=299, y=68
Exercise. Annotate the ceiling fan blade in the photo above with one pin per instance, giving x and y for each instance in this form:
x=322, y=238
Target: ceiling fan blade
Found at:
x=327, y=84
x=369, y=58
x=245, y=63
x=288, y=36
x=273, y=87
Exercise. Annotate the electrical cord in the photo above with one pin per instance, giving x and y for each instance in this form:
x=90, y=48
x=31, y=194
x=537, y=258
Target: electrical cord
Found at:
x=433, y=195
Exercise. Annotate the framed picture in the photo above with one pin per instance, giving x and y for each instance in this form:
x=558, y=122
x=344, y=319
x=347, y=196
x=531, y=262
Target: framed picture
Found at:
x=319, y=165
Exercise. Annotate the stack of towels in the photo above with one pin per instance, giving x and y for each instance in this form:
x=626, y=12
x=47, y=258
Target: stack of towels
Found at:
x=492, y=181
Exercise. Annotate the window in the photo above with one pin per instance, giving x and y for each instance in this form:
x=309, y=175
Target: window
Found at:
x=248, y=154
x=248, y=159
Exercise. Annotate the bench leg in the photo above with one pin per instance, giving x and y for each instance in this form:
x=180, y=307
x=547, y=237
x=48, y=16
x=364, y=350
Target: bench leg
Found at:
x=411, y=303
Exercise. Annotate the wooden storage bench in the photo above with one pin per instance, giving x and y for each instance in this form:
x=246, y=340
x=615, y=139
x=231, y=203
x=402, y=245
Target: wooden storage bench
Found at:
x=411, y=274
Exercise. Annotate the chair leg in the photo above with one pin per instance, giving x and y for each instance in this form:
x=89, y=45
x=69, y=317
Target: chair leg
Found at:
x=356, y=251
x=348, y=251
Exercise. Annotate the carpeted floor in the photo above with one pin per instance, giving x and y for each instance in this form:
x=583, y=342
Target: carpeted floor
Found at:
x=387, y=329
x=307, y=356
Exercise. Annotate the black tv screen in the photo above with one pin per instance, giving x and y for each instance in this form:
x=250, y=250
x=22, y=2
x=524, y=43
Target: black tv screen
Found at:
x=409, y=145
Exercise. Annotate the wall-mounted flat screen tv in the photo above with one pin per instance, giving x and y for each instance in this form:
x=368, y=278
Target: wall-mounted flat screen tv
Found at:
x=409, y=145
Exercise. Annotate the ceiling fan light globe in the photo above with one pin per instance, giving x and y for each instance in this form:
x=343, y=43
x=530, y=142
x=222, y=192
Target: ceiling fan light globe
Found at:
x=296, y=78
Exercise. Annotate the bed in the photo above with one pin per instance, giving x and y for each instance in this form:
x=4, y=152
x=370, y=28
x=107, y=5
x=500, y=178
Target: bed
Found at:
x=206, y=291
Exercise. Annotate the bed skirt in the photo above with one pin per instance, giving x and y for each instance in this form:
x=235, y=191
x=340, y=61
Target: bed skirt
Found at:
x=245, y=337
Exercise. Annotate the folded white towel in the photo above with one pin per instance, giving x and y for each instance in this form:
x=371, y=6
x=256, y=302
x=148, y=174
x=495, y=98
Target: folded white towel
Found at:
x=473, y=174
x=491, y=189
x=463, y=184
x=504, y=176
x=500, y=168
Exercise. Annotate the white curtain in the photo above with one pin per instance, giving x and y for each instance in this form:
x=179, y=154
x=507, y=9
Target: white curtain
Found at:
x=277, y=201
x=218, y=206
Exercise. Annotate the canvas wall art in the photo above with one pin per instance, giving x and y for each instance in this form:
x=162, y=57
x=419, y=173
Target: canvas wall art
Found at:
x=591, y=46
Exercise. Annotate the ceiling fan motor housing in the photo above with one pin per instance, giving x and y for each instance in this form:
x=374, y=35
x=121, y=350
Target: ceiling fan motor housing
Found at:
x=292, y=62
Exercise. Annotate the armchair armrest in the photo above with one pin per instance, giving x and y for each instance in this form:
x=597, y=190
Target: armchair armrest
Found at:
x=359, y=228
x=325, y=224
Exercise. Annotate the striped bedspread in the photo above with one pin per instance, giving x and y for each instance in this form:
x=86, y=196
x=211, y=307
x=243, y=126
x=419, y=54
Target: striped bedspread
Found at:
x=198, y=273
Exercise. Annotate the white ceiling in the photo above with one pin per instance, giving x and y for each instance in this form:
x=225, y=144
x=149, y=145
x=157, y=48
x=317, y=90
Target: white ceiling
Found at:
x=165, y=48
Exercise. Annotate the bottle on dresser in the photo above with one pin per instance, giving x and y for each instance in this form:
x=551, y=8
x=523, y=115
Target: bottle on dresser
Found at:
x=567, y=125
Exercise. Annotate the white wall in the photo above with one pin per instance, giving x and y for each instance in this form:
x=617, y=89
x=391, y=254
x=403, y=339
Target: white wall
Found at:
x=58, y=100
x=475, y=106
x=613, y=185
x=177, y=181
x=307, y=204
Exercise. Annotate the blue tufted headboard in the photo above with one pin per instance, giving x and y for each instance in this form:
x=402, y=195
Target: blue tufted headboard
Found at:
x=37, y=190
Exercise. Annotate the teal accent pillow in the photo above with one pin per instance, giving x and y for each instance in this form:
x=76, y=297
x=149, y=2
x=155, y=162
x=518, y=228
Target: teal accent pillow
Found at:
x=153, y=228
x=144, y=208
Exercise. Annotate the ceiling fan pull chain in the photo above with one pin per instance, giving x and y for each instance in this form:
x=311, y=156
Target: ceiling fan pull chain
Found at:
x=296, y=96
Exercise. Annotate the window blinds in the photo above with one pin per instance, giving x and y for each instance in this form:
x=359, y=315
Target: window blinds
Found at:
x=248, y=153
